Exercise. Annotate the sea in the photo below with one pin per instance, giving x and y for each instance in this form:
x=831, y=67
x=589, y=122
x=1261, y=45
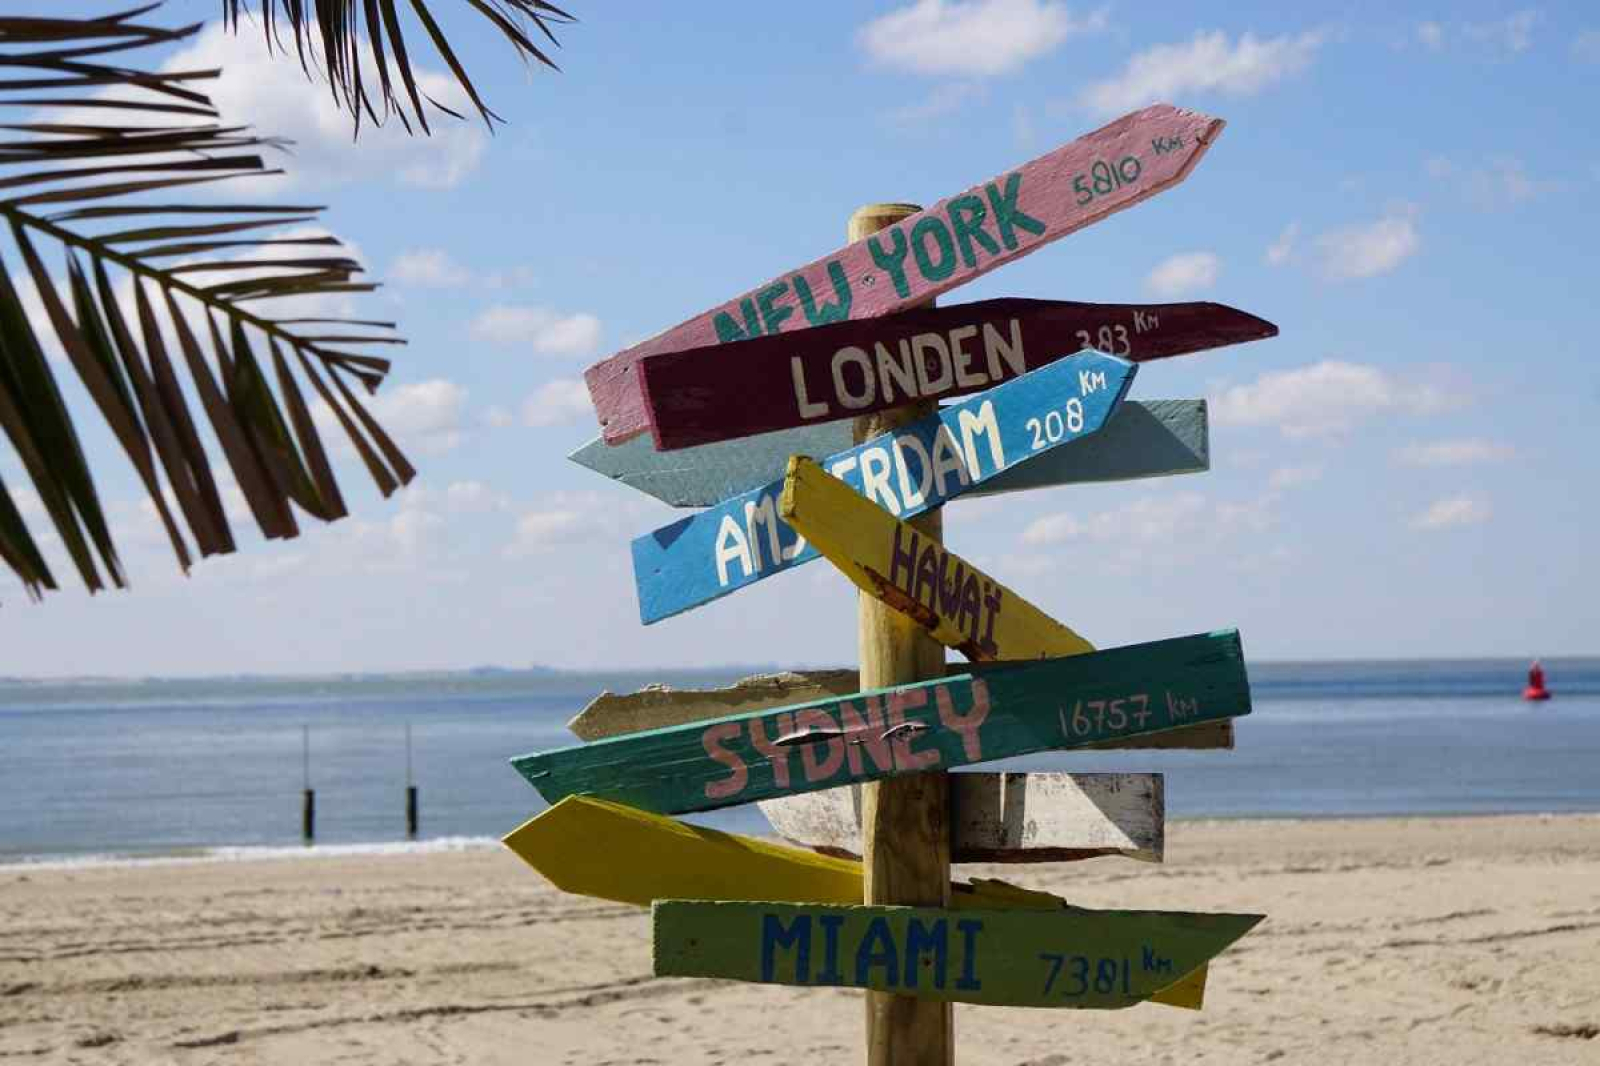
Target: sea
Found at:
x=95, y=771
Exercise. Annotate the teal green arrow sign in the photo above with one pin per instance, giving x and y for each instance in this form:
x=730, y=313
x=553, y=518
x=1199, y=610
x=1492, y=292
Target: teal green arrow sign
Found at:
x=1016, y=709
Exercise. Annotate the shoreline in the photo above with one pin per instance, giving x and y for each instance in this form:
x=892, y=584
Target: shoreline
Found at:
x=206, y=854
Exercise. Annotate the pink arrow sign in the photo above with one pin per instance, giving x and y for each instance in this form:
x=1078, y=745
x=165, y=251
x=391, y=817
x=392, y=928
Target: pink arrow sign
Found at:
x=935, y=250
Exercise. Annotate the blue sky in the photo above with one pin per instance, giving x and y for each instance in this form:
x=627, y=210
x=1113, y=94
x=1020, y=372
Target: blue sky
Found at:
x=1408, y=470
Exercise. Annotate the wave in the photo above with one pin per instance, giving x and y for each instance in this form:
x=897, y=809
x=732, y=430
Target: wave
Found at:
x=248, y=853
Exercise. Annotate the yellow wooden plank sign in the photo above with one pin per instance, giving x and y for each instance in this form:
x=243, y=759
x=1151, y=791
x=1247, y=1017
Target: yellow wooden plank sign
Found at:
x=960, y=606
x=607, y=850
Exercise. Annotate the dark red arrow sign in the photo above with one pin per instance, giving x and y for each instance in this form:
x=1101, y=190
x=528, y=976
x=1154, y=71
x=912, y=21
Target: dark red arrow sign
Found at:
x=786, y=380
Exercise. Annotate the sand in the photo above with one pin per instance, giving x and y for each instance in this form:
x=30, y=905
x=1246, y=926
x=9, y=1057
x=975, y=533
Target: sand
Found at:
x=1394, y=941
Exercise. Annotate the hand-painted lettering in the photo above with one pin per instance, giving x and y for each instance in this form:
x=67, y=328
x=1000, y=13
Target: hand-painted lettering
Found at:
x=970, y=928
x=966, y=218
x=808, y=408
x=853, y=399
x=796, y=938
x=877, y=948
x=933, y=269
x=865, y=731
x=827, y=313
x=892, y=259
x=969, y=725
x=777, y=755
x=830, y=974
x=904, y=734
x=738, y=775
x=1008, y=218
x=729, y=331
x=920, y=939
x=772, y=316
x=819, y=766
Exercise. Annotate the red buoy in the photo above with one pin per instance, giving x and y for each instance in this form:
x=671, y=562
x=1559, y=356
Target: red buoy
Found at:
x=1536, y=689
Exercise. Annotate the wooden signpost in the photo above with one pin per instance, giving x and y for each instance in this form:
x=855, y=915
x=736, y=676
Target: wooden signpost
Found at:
x=847, y=358
x=913, y=469
x=1069, y=958
x=658, y=706
x=953, y=242
x=604, y=850
x=1003, y=817
x=956, y=603
x=1020, y=709
x=1149, y=438
x=786, y=380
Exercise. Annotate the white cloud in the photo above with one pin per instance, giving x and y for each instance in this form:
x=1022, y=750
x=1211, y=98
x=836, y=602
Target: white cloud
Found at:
x=1323, y=399
x=424, y=416
x=1293, y=477
x=944, y=100
x=1164, y=529
x=270, y=92
x=1208, y=62
x=497, y=417
x=1513, y=33
x=1147, y=520
x=1502, y=182
x=1431, y=34
x=1460, y=452
x=1022, y=126
x=1586, y=46
x=474, y=496
x=429, y=268
x=1279, y=251
x=1452, y=511
x=556, y=402
x=563, y=519
x=547, y=332
x=1186, y=272
x=971, y=38
x=1369, y=249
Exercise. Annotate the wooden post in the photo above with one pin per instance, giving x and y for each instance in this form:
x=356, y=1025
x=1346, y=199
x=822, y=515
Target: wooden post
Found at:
x=411, y=791
x=308, y=797
x=905, y=821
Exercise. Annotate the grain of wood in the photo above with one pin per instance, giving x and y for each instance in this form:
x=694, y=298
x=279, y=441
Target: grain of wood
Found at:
x=905, y=822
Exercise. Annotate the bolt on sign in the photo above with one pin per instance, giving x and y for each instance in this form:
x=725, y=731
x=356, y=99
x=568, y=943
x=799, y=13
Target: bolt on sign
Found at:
x=951, y=243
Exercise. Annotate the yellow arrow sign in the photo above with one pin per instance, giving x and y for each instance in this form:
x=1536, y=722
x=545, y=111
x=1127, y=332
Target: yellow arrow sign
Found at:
x=611, y=851
x=960, y=606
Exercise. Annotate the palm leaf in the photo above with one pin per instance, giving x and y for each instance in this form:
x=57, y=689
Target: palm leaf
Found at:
x=338, y=31
x=135, y=279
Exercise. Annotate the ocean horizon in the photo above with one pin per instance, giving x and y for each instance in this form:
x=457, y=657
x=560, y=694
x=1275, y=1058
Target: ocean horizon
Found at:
x=208, y=768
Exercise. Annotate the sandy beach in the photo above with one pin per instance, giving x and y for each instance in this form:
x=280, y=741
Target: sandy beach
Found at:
x=1401, y=941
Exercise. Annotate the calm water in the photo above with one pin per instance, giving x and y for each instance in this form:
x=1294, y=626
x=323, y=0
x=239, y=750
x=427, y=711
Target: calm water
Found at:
x=177, y=766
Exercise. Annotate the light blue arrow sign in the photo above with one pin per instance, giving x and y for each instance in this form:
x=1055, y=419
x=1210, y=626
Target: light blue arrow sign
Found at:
x=921, y=466
x=1145, y=438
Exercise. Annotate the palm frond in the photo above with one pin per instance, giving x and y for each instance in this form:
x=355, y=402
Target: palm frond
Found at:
x=145, y=287
x=333, y=34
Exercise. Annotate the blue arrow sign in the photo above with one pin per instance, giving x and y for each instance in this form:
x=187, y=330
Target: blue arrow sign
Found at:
x=919, y=467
